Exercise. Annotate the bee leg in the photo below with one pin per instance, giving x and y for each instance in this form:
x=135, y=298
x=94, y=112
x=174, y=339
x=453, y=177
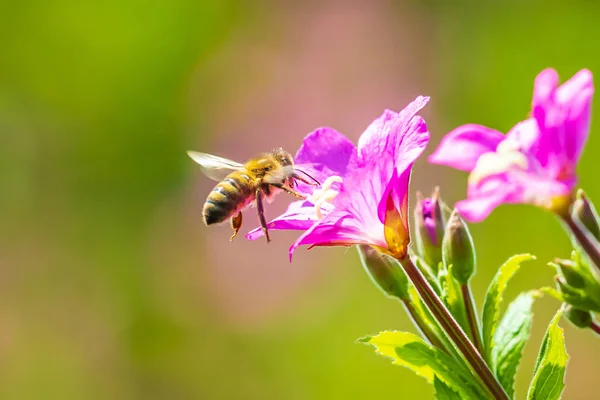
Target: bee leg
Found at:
x=236, y=224
x=289, y=190
x=261, y=214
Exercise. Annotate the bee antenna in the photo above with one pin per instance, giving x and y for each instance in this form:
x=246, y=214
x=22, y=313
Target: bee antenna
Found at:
x=317, y=182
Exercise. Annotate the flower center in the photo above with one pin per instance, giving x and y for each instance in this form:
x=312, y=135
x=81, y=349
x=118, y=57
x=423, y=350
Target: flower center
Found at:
x=507, y=156
x=324, y=195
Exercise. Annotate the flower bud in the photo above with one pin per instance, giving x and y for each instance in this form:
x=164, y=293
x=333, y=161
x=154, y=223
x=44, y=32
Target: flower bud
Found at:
x=577, y=283
x=579, y=318
x=568, y=269
x=576, y=297
x=429, y=223
x=385, y=272
x=458, y=249
x=584, y=211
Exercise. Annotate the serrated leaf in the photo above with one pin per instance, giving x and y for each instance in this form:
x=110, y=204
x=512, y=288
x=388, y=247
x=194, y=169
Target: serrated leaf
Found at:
x=510, y=339
x=443, y=392
x=410, y=351
x=549, y=373
x=491, y=307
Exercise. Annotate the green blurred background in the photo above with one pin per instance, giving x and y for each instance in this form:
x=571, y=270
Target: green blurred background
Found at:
x=110, y=285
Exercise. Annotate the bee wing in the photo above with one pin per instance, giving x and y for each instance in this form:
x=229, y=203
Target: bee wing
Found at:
x=216, y=168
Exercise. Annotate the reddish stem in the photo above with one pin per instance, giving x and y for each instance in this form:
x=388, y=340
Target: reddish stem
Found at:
x=422, y=326
x=472, y=316
x=588, y=243
x=453, y=330
x=595, y=327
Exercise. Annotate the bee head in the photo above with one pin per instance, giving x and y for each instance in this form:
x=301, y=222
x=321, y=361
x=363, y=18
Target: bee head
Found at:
x=283, y=157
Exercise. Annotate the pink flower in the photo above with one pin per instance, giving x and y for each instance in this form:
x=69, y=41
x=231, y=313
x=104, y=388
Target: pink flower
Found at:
x=363, y=197
x=535, y=162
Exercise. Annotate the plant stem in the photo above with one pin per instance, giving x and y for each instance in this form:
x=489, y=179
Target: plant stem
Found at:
x=587, y=242
x=422, y=326
x=472, y=316
x=453, y=330
x=595, y=327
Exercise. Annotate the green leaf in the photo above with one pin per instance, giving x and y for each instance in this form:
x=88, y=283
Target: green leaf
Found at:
x=548, y=376
x=443, y=392
x=491, y=306
x=423, y=311
x=425, y=315
x=410, y=351
x=452, y=297
x=579, y=298
x=578, y=284
x=552, y=293
x=510, y=339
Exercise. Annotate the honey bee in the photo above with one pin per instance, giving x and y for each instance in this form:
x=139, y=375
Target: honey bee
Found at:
x=241, y=185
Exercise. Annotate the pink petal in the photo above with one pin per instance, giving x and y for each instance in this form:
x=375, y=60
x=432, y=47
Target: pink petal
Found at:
x=563, y=115
x=386, y=151
x=323, y=153
x=360, y=197
x=524, y=135
x=572, y=88
x=413, y=144
x=462, y=147
x=512, y=187
x=398, y=187
x=576, y=96
x=536, y=190
x=401, y=137
x=485, y=197
x=550, y=142
x=362, y=191
x=545, y=84
x=479, y=208
x=300, y=215
x=414, y=107
x=336, y=229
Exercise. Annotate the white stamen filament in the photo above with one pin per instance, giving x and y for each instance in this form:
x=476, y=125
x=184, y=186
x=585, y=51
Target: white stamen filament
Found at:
x=324, y=195
x=506, y=156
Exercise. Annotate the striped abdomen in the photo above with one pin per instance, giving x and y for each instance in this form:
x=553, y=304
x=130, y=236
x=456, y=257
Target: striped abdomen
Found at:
x=231, y=195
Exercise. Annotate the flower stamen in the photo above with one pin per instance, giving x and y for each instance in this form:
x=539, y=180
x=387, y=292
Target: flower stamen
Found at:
x=506, y=156
x=324, y=195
